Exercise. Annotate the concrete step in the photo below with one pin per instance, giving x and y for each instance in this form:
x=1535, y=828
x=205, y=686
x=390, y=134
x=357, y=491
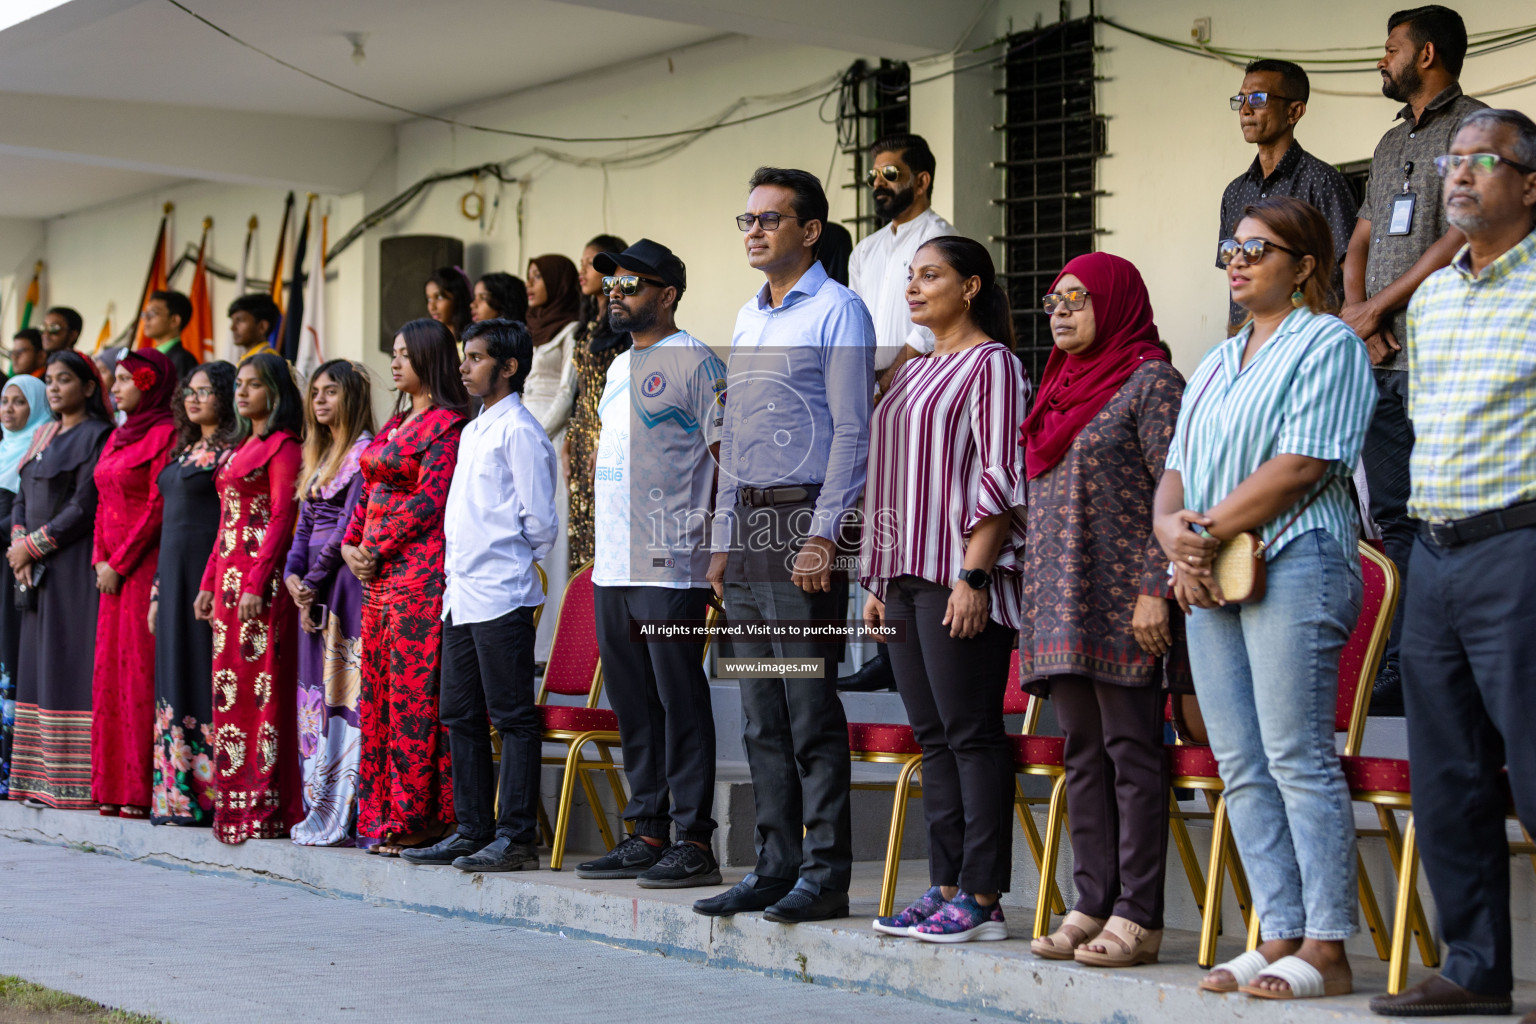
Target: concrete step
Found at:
x=996, y=978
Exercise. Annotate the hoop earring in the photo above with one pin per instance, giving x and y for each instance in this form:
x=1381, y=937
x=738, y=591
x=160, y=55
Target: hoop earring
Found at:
x=1298, y=299
x=967, y=305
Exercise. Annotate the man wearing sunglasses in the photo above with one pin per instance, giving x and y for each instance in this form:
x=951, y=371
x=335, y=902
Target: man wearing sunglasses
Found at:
x=1273, y=97
x=793, y=452
x=1469, y=635
x=61, y=329
x=1400, y=238
x=901, y=180
x=653, y=487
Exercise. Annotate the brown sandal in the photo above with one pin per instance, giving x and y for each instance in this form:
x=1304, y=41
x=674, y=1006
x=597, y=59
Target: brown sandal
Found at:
x=1137, y=945
x=1075, y=930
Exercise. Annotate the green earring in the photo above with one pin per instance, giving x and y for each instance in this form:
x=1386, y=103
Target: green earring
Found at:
x=1298, y=299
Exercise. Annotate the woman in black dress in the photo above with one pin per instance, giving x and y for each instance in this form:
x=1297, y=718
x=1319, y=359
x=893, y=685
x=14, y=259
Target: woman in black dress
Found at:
x=51, y=524
x=208, y=432
x=23, y=411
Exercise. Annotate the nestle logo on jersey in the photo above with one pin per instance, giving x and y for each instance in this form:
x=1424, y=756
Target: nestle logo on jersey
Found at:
x=653, y=385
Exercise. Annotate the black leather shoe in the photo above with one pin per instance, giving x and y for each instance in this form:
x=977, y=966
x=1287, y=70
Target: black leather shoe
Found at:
x=803, y=905
x=751, y=893
x=445, y=851
x=1387, y=693
x=875, y=675
x=627, y=860
x=501, y=854
x=1440, y=997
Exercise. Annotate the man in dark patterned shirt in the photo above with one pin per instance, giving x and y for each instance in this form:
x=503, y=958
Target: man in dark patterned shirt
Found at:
x=1272, y=99
x=1400, y=239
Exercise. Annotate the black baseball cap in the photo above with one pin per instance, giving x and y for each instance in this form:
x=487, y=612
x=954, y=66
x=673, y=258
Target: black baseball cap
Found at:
x=652, y=258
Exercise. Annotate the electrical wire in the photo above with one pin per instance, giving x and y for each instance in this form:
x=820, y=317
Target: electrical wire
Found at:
x=487, y=129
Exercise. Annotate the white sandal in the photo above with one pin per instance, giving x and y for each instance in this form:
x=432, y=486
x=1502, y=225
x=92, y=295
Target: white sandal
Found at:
x=1243, y=970
x=1305, y=981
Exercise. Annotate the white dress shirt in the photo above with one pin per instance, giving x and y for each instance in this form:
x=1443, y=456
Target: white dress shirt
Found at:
x=877, y=273
x=500, y=517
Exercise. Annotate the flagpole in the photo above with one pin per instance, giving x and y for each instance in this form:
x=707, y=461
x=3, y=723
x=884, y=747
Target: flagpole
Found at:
x=156, y=272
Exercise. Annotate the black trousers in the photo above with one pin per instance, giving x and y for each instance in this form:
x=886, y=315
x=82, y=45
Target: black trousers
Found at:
x=1388, y=446
x=1469, y=644
x=488, y=675
x=660, y=694
x=953, y=690
x=794, y=730
x=1117, y=796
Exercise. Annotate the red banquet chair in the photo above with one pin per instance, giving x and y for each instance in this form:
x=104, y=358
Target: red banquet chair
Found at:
x=887, y=743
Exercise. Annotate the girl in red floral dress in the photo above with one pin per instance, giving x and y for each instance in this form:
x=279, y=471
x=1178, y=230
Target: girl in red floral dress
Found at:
x=256, y=754
x=394, y=545
x=127, y=544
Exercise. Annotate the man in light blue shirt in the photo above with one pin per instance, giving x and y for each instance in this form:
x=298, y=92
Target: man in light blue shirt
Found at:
x=792, y=459
x=500, y=519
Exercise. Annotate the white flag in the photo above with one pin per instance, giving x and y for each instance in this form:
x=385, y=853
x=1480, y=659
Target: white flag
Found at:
x=312, y=328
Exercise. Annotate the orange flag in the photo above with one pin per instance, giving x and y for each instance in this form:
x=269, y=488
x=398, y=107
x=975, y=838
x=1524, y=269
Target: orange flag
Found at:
x=155, y=282
x=197, y=336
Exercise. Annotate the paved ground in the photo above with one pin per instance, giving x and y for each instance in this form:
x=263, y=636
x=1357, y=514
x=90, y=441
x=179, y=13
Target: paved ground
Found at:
x=194, y=948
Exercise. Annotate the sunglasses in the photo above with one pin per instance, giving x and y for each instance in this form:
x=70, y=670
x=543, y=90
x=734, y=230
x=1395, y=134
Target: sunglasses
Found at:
x=890, y=172
x=1256, y=100
x=1073, y=299
x=1253, y=250
x=1482, y=163
x=629, y=284
x=769, y=221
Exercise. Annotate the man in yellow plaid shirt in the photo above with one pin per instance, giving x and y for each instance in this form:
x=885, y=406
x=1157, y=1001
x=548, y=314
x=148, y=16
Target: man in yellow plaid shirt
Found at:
x=1469, y=629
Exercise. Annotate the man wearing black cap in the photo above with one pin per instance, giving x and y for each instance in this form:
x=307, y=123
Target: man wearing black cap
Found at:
x=661, y=412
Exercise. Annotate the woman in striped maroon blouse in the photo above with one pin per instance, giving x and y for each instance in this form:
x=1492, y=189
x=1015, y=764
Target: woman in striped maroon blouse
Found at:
x=943, y=537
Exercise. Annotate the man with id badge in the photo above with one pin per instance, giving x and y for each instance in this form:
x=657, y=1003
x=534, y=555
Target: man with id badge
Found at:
x=1400, y=238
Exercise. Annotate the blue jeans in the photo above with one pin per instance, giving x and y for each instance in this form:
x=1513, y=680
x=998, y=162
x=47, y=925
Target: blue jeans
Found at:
x=1267, y=675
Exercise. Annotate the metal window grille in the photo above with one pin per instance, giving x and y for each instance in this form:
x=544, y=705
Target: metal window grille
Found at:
x=1053, y=138
x=877, y=104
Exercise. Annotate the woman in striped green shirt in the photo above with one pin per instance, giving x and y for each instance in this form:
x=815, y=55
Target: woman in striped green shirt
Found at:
x=1272, y=421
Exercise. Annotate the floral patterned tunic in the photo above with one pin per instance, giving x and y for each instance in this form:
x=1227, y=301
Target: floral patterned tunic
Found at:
x=405, y=782
x=1091, y=551
x=254, y=734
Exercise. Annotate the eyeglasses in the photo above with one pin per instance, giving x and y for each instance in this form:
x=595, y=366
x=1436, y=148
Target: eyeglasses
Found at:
x=201, y=394
x=1257, y=100
x=1482, y=163
x=1073, y=299
x=890, y=172
x=1253, y=250
x=769, y=221
x=52, y=328
x=629, y=284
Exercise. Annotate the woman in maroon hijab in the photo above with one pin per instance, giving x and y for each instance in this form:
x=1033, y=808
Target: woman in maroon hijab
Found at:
x=127, y=549
x=1097, y=599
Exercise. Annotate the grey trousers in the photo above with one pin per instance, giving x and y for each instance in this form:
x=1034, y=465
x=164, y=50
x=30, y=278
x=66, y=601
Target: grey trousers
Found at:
x=794, y=730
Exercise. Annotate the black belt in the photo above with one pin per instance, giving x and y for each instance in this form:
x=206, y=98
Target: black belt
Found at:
x=1480, y=527
x=768, y=497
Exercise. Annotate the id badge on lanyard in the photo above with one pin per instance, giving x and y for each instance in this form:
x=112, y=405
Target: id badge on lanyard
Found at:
x=1401, y=220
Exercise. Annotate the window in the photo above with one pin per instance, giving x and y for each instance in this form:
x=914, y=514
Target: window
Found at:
x=1053, y=138
x=874, y=104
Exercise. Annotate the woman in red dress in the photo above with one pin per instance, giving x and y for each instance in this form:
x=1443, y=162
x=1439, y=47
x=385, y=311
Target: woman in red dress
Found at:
x=127, y=546
x=394, y=545
x=256, y=753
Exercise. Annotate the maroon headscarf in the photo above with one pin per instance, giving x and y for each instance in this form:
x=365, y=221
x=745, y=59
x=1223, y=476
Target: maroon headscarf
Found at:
x=562, y=297
x=155, y=376
x=1075, y=387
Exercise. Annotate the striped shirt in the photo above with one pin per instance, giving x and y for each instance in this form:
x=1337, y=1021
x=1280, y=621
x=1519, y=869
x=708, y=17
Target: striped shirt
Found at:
x=944, y=454
x=1307, y=391
x=1472, y=386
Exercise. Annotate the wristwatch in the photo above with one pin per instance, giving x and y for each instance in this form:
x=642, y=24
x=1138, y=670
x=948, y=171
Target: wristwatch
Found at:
x=977, y=578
